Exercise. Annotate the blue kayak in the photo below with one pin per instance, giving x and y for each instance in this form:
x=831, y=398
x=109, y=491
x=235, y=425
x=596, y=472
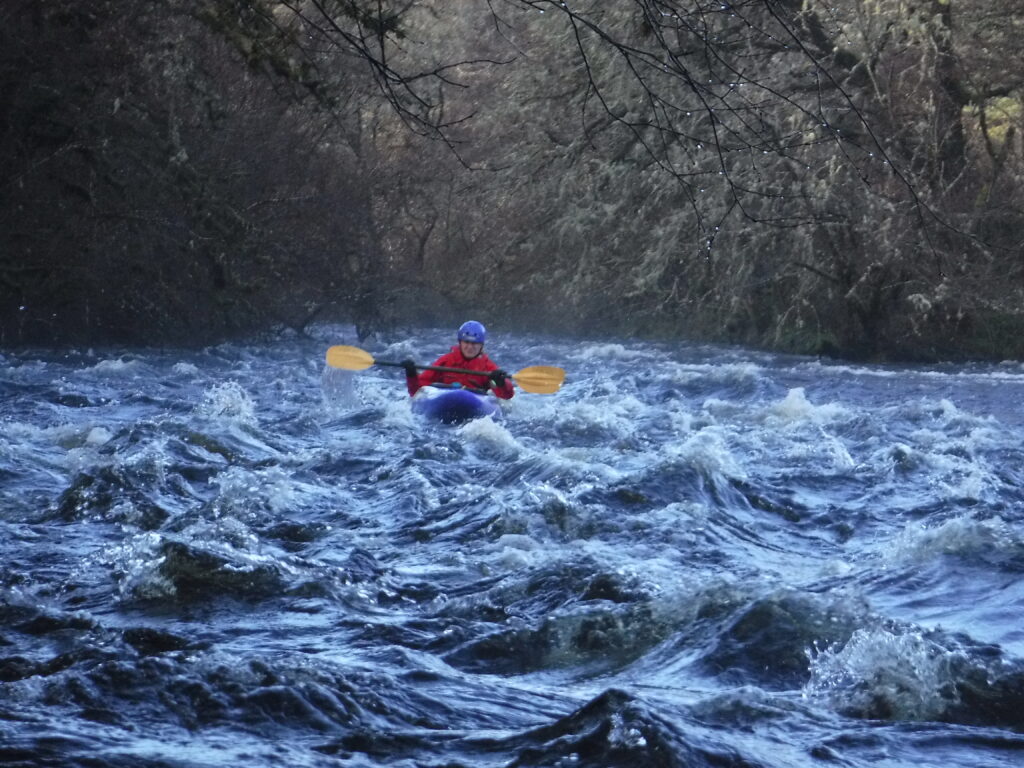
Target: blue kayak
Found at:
x=454, y=406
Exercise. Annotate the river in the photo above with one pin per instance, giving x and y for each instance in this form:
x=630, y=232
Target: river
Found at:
x=688, y=556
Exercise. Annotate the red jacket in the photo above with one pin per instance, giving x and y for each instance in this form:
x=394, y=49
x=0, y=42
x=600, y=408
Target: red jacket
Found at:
x=454, y=359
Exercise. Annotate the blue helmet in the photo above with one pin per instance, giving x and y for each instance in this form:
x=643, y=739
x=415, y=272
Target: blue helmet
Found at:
x=472, y=331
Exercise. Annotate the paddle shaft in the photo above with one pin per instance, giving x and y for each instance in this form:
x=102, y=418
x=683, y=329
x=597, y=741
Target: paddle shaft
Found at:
x=441, y=368
x=540, y=379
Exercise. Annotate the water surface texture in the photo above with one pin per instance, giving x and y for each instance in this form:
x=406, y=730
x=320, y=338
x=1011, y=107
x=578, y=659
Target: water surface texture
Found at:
x=690, y=556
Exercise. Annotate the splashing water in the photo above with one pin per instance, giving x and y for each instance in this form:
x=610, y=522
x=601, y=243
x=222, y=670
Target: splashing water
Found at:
x=687, y=556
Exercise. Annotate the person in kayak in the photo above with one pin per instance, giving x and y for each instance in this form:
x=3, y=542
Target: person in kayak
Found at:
x=468, y=354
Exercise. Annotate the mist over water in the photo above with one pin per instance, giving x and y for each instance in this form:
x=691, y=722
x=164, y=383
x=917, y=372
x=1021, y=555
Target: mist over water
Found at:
x=689, y=556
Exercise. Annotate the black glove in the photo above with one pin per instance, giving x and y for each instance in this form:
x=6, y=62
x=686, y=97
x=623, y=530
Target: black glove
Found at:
x=499, y=377
x=410, y=369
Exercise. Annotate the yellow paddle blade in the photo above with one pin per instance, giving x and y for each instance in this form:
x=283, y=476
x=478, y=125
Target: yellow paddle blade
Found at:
x=540, y=379
x=349, y=358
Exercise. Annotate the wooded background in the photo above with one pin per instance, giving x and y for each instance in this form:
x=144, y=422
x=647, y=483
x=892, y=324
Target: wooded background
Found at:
x=786, y=174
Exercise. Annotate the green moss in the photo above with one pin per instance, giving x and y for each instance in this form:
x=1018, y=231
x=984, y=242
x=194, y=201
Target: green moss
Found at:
x=1002, y=114
x=806, y=341
x=994, y=336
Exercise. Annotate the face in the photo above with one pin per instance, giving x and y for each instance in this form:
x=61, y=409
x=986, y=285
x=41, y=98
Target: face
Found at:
x=470, y=349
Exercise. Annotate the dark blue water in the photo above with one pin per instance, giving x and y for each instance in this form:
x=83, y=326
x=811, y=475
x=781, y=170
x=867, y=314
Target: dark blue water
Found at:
x=689, y=556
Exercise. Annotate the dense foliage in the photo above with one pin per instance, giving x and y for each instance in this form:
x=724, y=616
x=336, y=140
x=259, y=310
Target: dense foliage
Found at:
x=771, y=172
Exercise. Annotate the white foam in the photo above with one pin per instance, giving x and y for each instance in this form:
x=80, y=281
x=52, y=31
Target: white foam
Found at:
x=397, y=411
x=608, y=352
x=608, y=416
x=338, y=388
x=244, y=492
x=956, y=464
x=518, y=541
x=60, y=434
x=98, y=436
x=139, y=562
x=401, y=350
x=906, y=676
x=686, y=373
x=115, y=367
x=963, y=535
x=517, y=551
x=491, y=436
x=680, y=420
x=795, y=407
x=228, y=401
x=1005, y=375
x=515, y=559
x=709, y=452
x=820, y=368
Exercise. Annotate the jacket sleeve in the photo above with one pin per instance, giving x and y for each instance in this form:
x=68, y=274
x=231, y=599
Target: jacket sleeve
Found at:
x=413, y=385
x=425, y=379
x=506, y=390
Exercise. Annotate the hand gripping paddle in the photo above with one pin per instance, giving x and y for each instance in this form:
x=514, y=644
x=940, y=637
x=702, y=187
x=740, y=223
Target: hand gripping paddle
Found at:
x=539, y=379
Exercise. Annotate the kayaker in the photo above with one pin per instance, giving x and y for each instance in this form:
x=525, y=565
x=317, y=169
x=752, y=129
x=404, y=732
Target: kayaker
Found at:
x=468, y=354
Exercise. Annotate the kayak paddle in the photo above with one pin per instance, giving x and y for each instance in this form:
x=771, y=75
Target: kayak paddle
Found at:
x=539, y=379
